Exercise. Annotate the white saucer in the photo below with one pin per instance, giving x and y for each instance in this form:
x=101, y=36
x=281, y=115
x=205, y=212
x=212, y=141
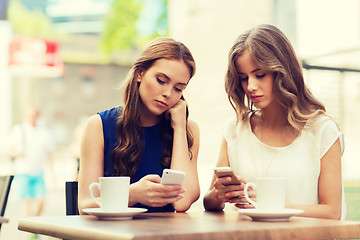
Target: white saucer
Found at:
x=271, y=216
x=127, y=214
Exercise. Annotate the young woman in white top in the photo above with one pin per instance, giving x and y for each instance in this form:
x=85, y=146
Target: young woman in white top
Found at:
x=280, y=129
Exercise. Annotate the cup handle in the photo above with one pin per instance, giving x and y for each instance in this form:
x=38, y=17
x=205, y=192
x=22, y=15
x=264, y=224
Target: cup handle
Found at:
x=247, y=185
x=92, y=185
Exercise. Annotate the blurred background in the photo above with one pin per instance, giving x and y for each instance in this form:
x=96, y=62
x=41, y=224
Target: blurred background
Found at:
x=69, y=58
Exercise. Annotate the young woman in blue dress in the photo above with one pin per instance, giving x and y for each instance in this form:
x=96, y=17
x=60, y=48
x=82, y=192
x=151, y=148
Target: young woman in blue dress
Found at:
x=280, y=130
x=149, y=132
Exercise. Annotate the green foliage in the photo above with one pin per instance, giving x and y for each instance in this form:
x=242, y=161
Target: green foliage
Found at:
x=28, y=23
x=153, y=21
x=163, y=29
x=120, y=26
x=122, y=31
x=352, y=197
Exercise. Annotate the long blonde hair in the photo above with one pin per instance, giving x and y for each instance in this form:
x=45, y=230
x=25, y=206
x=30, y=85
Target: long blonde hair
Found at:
x=272, y=51
x=127, y=154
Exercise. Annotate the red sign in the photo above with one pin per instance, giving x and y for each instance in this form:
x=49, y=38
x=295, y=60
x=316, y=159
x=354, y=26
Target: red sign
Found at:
x=35, y=57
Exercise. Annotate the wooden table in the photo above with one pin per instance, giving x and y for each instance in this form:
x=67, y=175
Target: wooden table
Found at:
x=192, y=225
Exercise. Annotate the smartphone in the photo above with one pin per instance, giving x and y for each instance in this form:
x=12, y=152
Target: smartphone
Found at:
x=226, y=172
x=170, y=176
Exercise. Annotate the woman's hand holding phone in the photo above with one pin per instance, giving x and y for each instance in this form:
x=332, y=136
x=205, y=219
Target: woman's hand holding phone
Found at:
x=228, y=187
x=221, y=172
x=150, y=192
x=172, y=177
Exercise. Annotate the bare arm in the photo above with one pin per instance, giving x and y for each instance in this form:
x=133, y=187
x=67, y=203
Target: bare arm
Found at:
x=218, y=194
x=181, y=161
x=329, y=187
x=147, y=190
x=181, y=156
x=92, y=160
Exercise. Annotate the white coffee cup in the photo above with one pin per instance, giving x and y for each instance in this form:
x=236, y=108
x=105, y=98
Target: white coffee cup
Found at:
x=114, y=193
x=270, y=193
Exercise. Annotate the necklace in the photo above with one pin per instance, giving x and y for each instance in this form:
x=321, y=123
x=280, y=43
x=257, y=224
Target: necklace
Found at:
x=263, y=170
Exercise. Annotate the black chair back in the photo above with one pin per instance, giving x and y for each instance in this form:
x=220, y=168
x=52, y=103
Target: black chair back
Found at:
x=5, y=185
x=71, y=197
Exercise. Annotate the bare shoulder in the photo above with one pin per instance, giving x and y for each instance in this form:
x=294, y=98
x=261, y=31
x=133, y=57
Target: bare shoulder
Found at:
x=194, y=127
x=93, y=126
x=92, y=140
x=93, y=122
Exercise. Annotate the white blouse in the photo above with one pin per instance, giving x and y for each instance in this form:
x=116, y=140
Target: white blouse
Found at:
x=298, y=163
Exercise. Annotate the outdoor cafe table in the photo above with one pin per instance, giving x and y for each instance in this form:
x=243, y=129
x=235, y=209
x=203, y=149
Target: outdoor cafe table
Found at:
x=191, y=225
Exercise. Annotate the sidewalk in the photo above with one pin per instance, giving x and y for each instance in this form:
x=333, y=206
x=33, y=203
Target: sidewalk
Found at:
x=64, y=166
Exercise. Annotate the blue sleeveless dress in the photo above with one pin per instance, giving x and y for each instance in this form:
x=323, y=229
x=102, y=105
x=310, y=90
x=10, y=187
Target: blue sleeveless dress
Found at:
x=150, y=163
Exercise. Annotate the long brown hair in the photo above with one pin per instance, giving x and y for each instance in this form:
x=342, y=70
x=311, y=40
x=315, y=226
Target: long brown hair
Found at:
x=272, y=51
x=126, y=156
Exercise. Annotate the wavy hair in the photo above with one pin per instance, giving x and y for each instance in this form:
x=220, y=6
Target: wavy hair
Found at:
x=127, y=154
x=272, y=51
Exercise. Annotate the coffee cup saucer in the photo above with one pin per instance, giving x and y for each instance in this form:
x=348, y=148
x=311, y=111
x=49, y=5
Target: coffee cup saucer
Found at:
x=104, y=215
x=271, y=216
